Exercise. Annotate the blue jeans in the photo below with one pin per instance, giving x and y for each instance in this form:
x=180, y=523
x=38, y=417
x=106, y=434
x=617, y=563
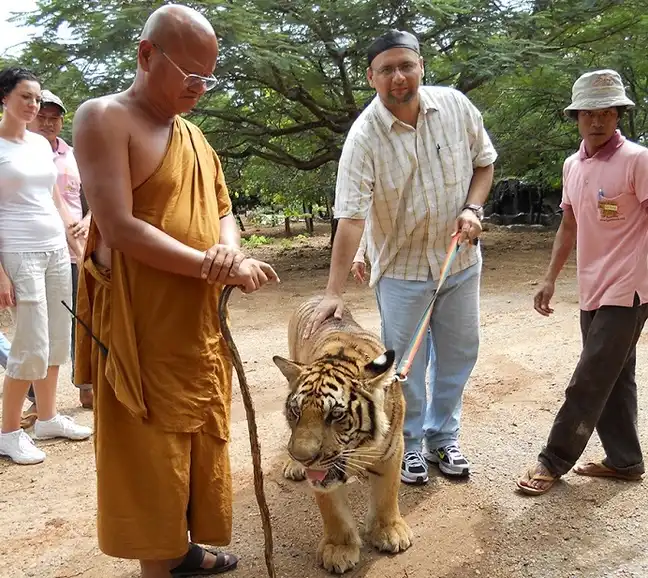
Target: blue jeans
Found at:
x=448, y=354
x=5, y=346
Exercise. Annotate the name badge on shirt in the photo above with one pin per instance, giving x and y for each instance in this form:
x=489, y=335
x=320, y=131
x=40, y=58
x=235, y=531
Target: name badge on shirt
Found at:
x=608, y=209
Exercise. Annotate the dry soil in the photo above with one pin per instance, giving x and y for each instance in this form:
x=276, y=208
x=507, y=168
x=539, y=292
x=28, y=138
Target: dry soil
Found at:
x=480, y=527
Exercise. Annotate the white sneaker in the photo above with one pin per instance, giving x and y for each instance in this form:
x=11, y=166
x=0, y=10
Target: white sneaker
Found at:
x=414, y=470
x=20, y=448
x=60, y=426
x=450, y=460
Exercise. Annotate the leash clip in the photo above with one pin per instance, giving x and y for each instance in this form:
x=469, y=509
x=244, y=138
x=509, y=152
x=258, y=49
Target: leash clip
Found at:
x=399, y=378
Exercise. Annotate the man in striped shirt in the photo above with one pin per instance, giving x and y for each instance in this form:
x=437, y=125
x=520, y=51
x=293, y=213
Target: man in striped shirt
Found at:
x=417, y=165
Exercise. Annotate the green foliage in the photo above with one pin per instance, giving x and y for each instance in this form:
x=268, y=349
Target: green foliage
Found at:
x=523, y=106
x=292, y=75
x=254, y=241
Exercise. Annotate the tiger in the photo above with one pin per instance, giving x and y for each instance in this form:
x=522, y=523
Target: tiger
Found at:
x=345, y=413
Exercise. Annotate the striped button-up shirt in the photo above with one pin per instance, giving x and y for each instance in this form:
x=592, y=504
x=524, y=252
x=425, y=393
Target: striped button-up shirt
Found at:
x=411, y=184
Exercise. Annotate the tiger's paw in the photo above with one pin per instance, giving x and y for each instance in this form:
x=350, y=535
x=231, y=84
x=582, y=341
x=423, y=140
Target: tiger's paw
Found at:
x=338, y=558
x=395, y=536
x=294, y=471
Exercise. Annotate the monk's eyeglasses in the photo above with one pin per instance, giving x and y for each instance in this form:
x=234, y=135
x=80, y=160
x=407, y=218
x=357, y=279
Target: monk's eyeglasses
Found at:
x=192, y=81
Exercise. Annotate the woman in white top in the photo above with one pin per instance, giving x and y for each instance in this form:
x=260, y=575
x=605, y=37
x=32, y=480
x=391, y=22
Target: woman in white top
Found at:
x=34, y=271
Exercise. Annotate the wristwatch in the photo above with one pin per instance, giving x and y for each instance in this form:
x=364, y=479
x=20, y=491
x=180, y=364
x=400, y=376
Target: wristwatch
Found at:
x=477, y=209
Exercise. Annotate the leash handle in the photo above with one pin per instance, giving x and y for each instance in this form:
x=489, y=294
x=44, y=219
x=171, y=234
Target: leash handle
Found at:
x=421, y=329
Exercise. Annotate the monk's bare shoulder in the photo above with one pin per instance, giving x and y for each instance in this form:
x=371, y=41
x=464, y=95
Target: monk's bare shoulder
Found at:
x=107, y=115
x=101, y=137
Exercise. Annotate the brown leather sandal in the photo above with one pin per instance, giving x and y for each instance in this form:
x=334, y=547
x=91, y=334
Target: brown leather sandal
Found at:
x=598, y=470
x=533, y=475
x=191, y=565
x=29, y=416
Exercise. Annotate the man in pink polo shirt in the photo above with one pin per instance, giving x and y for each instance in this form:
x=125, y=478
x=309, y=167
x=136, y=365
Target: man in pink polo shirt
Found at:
x=49, y=123
x=605, y=204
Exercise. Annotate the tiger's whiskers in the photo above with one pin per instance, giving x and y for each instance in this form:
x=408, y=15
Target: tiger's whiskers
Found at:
x=354, y=469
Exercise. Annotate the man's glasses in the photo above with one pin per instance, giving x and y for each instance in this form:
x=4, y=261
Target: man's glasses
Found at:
x=192, y=81
x=405, y=68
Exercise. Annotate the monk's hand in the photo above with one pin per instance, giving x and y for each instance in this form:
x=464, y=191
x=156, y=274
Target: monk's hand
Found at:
x=469, y=225
x=221, y=262
x=253, y=274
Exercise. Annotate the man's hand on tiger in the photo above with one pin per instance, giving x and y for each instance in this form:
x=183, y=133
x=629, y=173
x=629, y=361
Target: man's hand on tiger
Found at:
x=330, y=305
x=221, y=262
x=252, y=275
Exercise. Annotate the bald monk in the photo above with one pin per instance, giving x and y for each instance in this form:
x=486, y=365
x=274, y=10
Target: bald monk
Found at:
x=161, y=245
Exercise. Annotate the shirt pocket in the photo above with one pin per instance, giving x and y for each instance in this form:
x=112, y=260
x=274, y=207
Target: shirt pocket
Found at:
x=451, y=159
x=612, y=211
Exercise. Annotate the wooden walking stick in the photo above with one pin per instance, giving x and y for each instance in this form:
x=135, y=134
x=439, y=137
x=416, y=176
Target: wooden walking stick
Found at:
x=251, y=420
x=252, y=429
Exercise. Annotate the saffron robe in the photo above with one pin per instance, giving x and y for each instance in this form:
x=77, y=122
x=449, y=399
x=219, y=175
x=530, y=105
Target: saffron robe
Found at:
x=163, y=391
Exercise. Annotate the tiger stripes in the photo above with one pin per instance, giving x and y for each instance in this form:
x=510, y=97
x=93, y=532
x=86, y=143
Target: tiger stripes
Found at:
x=345, y=413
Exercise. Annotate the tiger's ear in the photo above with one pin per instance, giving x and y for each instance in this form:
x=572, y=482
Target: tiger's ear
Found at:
x=291, y=369
x=376, y=369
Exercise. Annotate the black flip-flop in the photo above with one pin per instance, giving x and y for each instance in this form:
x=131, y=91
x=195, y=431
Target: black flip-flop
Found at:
x=191, y=565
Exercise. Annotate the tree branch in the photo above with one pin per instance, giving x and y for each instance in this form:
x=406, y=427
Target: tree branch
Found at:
x=284, y=159
x=262, y=129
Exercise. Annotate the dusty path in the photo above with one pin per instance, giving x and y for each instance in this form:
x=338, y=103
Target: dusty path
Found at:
x=482, y=527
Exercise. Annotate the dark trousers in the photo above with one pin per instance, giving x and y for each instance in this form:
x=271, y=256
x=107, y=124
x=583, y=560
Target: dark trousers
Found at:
x=602, y=394
x=75, y=283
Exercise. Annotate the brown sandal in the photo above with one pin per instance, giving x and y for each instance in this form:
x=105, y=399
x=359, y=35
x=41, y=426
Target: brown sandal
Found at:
x=598, y=470
x=532, y=475
x=29, y=416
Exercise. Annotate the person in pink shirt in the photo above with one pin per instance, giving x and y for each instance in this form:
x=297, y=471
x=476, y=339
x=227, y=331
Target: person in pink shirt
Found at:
x=605, y=212
x=49, y=123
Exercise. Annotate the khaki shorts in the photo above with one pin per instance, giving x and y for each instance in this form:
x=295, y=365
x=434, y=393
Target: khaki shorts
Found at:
x=41, y=280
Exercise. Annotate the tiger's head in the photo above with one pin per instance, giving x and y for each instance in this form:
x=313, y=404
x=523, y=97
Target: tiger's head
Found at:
x=335, y=410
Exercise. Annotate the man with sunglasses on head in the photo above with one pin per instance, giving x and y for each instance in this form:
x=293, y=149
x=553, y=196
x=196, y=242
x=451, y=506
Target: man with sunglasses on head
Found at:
x=162, y=243
x=417, y=166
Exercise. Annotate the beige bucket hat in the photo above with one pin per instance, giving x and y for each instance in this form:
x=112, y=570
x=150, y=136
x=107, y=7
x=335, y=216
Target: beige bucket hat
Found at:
x=48, y=97
x=598, y=89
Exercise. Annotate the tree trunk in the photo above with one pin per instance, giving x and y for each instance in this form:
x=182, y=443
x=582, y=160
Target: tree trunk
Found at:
x=328, y=207
x=334, y=226
x=287, y=226
x=240, y=222
x=310, y=228
x=632, y=128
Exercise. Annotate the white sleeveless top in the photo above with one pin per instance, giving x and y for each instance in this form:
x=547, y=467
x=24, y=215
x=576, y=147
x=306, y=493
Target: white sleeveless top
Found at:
x=29, y=219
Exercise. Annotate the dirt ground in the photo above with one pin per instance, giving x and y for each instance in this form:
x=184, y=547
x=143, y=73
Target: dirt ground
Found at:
x=480, y=527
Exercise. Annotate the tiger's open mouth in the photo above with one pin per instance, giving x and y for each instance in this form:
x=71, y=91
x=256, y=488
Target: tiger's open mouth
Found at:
x=322, y=479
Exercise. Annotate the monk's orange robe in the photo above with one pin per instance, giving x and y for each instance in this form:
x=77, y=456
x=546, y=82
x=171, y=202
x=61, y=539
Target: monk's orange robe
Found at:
x=163, y=392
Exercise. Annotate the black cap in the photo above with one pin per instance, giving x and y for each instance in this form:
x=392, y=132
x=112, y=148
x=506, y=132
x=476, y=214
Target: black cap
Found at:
x=392, y=39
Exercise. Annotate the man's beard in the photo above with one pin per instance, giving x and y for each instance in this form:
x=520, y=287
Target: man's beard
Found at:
x=409, y=95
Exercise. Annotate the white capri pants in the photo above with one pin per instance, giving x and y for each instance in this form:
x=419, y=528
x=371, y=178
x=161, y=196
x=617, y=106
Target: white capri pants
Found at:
x=41, y=280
